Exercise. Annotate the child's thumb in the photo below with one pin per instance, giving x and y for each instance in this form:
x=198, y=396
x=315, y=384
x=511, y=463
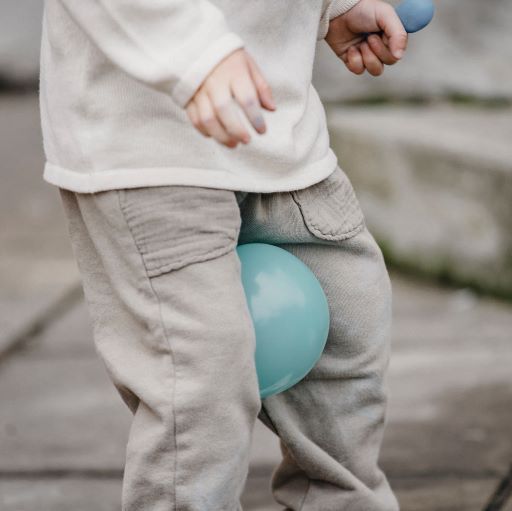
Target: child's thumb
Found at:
x=389, y=22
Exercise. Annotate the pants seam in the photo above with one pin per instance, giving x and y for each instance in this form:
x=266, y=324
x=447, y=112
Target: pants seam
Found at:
x=313, y=227
x=305, y=496
x=169, y=352
x=276, y=431
x=201, y=258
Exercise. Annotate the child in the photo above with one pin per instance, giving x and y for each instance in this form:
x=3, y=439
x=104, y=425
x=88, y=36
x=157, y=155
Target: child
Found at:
x=155, y=212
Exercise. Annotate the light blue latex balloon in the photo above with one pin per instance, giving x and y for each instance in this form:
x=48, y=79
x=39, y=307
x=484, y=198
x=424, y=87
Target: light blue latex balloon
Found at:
x=290, y=313
x=415, y=14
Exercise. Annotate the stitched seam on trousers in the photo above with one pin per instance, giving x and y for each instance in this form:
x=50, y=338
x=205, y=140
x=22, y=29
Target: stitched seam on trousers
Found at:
x=341, y=231
x=181, y=263
x=156, y=270
x=276, y=431
x=337, y=237
x=305, y=496
x=316, y=231
x=170, y=352
x=267, y=416
x=346, y=230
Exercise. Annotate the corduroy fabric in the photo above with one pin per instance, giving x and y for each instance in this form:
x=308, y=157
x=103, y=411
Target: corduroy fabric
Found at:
x=172, y=325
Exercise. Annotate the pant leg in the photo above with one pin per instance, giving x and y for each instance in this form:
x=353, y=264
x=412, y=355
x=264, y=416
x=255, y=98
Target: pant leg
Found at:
x=331, y=423
x=162, y=281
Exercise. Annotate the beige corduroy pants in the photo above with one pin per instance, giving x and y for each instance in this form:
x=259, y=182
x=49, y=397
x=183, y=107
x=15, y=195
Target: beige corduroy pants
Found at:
x=162, y=281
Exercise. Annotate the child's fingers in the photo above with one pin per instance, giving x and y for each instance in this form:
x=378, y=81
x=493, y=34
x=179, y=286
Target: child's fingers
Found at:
x=263, y=88
x=245, y=93
x=388, y=20
x=371, y=62
x=355, y=61
x=228, y=115
x=210, y=122
x=193, y=115
x=381, y=50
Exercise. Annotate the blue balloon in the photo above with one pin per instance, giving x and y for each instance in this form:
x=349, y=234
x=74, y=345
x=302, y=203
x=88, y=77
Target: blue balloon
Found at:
x=290, y=313
x=415, y=14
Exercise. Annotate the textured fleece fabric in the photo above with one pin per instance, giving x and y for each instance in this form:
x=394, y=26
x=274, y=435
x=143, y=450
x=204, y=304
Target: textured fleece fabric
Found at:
x=162, y=280
x=117, y=74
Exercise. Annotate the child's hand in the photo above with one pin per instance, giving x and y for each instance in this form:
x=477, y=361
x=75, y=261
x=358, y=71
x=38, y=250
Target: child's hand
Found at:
x=213, y=111
x=347, y=37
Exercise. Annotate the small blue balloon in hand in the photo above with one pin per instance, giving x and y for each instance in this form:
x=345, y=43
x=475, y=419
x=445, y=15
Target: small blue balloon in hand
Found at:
x=290, y=314
x=415, y=14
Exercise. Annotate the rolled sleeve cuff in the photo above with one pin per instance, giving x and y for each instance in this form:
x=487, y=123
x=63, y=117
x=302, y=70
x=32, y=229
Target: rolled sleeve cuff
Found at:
x=200, y=68
x=336, y=8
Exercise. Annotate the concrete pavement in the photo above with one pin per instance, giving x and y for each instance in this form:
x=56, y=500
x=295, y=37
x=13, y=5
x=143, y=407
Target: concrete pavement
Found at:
x=63, y=427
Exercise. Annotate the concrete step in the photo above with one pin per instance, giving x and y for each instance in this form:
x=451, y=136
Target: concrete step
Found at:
x=435, y=184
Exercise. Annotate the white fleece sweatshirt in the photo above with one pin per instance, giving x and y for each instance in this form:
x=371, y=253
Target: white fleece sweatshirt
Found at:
x=116, y=74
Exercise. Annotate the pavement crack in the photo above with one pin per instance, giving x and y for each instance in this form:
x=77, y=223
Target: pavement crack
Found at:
x=41, y=320
x=502, y=493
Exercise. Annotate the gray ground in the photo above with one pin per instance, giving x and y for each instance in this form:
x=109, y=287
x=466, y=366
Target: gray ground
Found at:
x=63, y=427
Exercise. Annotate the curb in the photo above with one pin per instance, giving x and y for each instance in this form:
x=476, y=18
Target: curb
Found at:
x=437, y=197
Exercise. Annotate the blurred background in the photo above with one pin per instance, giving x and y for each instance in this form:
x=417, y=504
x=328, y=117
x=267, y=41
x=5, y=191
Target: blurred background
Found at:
x=428, y=147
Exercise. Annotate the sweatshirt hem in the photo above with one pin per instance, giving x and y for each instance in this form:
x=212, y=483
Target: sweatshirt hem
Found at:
x=115, y=179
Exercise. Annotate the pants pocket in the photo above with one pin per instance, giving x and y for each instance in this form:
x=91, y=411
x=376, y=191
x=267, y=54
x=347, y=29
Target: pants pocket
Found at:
x=174, y=226
x=330, y=209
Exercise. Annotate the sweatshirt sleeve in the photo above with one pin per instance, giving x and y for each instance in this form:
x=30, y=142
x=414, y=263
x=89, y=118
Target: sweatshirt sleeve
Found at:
x=332, y=9
x=170, y=45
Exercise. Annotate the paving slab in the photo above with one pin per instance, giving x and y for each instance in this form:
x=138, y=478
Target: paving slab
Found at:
x=60, y=495
x=98, y=495
x=435, y=184
x=443, y=494
x=59, y=411
x=450, y=383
